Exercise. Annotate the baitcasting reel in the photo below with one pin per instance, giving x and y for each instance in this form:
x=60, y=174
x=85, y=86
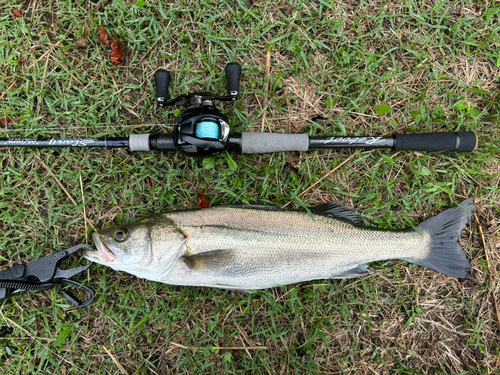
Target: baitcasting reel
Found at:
x=202, y=129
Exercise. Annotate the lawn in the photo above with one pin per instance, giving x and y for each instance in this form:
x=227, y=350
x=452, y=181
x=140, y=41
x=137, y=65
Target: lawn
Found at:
x=313, y=67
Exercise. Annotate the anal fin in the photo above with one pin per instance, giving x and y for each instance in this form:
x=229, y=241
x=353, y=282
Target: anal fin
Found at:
x=230, y=287
x=359, y=270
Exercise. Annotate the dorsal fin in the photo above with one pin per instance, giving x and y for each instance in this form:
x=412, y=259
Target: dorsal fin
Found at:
x=335, y=210
x=338, y=210
x=254, y=207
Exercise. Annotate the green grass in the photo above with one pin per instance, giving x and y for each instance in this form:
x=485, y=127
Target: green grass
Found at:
x=436, y=63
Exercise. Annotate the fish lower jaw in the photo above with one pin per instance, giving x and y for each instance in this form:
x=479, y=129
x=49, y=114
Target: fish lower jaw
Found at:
x=93, y=256
x=105, y=251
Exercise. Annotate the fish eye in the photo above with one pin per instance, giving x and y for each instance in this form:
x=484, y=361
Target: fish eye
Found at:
x=121, y=234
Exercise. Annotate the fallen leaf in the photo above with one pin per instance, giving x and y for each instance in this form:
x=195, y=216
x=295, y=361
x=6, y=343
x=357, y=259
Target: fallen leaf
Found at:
x=117, y=54
x=103, y=37
x=17, y=13
x=382, y=109
x=7, y=120
x=81, y=43
x=202, y=201
x=151, y=182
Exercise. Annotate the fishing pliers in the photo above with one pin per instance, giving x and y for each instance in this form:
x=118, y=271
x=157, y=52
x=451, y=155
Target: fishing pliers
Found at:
x=15, y=280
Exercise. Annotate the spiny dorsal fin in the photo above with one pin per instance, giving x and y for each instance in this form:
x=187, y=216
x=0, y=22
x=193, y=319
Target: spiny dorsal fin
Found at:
x=254, y=207
x=338, y=210
x=211, y=260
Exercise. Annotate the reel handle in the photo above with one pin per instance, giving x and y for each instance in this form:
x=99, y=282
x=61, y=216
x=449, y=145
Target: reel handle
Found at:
x=162, y=81
x=233, y=73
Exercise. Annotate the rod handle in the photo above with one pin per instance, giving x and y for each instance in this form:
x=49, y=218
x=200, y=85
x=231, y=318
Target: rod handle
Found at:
x=436, y=142
x=233, y=74
x=259, y=143
x=162, y=81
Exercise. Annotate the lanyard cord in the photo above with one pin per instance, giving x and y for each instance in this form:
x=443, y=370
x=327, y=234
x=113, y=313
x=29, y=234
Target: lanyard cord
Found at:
x=25, y=285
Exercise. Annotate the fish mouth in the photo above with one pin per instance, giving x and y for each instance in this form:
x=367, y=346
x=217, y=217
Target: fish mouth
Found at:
x=105, y=253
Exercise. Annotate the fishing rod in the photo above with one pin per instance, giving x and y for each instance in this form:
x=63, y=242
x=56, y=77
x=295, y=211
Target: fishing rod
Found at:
x=203, y=130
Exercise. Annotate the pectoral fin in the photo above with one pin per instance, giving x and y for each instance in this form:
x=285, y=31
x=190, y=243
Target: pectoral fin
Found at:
x=210, y=261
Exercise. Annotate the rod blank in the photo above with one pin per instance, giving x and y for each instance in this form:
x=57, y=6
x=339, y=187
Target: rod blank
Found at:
x=431, y=142
x=64, y=142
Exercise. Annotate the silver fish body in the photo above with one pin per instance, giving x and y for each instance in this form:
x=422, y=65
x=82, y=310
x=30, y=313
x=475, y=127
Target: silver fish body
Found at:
x=249, y=248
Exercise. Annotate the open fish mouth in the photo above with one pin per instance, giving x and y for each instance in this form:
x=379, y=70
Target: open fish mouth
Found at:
x=105, y=253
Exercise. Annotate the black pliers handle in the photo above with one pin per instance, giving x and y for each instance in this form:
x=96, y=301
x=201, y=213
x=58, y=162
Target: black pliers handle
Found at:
x=46, y=270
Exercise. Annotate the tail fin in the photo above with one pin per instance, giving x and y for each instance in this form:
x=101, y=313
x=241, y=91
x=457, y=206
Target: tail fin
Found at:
x=446, y=255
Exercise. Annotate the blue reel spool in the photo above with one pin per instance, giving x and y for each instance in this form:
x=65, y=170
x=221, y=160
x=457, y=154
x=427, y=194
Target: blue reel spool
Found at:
x=208, y=129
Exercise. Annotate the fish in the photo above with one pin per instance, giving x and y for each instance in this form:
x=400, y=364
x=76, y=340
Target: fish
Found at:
x=252, y=247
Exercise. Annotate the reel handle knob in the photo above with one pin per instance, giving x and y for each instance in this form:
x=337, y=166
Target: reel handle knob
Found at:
x=233, y=73
x=162, y=81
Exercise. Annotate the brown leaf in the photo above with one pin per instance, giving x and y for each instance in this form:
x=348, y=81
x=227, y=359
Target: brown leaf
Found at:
x=81, y=43
x=7, y=120
x=17, y=13
x=103, y=37
x=202, y=201
x=151, y=182
x=117, y=54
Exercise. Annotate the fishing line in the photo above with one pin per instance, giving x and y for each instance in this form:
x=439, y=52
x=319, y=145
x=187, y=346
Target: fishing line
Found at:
x=89, y=127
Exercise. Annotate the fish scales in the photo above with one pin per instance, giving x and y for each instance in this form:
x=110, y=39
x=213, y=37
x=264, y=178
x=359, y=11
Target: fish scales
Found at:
x=274, y=248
